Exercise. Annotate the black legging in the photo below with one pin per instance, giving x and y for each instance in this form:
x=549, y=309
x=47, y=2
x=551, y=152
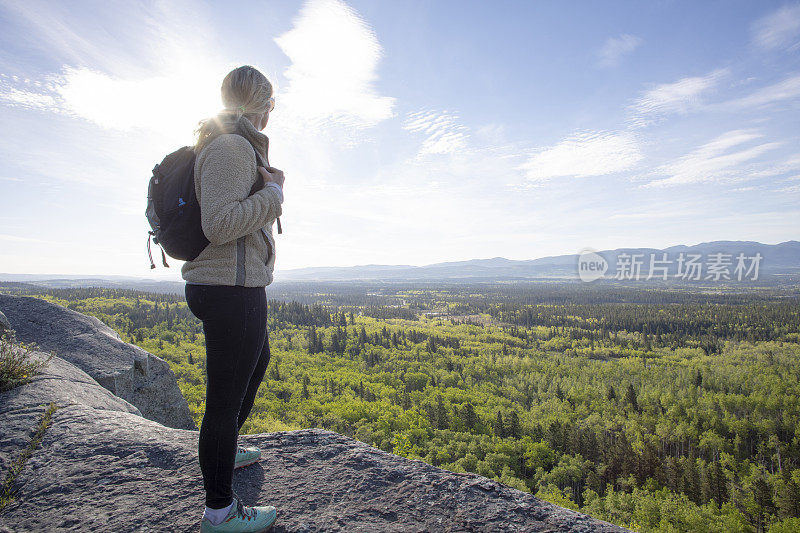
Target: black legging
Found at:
x=237, y=354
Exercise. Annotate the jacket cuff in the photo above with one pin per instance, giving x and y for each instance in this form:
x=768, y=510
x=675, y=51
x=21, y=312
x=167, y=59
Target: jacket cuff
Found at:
x=278, y=188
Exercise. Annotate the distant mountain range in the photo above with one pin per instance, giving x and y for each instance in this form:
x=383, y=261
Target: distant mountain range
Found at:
x=776, y=260
x=726, y=260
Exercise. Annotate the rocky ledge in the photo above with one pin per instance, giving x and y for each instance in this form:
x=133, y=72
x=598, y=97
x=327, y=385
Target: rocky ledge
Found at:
x=127, y=371
x=101, y=466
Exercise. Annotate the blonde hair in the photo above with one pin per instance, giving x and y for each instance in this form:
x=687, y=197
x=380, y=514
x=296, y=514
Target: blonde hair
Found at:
x=246, y=92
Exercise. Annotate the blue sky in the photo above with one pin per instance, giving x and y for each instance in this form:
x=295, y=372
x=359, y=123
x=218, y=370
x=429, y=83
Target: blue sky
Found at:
x=410, y=132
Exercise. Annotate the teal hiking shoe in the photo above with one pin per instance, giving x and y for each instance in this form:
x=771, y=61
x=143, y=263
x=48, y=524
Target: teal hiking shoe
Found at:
x=246, y=456
x=243, y=519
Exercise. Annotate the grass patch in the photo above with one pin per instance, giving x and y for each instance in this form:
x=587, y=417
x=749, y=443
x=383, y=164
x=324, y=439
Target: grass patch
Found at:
x=7, y=491
x=17, y=366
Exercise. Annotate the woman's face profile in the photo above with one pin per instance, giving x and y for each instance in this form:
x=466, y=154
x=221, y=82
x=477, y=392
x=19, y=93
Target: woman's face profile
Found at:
x=265, y=117
x=262, y=122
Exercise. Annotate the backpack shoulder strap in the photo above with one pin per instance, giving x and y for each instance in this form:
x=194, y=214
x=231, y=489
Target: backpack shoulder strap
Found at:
x=259, y=184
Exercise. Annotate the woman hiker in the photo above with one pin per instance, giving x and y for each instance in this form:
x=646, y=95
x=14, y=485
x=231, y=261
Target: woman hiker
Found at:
x=225, y=286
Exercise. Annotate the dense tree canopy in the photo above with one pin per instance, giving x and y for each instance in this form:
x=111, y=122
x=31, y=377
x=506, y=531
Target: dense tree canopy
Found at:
x=660, y=410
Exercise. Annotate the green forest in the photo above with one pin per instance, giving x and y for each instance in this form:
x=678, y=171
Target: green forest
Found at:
x=655, y=409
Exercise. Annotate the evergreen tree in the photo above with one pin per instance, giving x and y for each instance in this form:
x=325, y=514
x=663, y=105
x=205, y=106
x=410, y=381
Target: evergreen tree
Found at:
x=469, y=417
x=630, y=397
x=431, y=345
x=442, y=421
x=789, y=498
x=275, y=372
x=761, y=500
x=706, y=483
x=611, y=395
x=690, y=482
x=513, y=425
x=406, y=401
x=312, y=340
x=499, y=429
x=719, y=483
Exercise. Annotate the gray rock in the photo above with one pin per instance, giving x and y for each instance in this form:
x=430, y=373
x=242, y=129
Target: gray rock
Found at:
x=129, y=372
x=64, y=384
x=5, y=327
x=59, y=382
x=102, y=467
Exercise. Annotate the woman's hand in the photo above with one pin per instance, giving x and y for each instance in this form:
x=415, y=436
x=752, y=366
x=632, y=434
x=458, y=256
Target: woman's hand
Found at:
x=272, y=175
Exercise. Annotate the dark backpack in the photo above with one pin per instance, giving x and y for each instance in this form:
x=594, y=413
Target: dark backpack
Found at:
x=173, y=210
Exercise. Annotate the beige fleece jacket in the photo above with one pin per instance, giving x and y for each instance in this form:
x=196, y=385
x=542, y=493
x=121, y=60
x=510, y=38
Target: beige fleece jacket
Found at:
x=239, y=228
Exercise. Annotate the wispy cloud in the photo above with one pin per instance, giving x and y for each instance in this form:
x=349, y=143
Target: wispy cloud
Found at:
x=181, y=84
x=58, y=32
x=718, y=159
x=654, y=214
x=788, y=166
x=779, y=29
x=787, y=89
x=615, y=48
x=680, y=97
x=19, y=93
x=442, y=130
x=170, y=103
x=18, y=239
x=334, y=55
x=155, y=35
x=585, y=154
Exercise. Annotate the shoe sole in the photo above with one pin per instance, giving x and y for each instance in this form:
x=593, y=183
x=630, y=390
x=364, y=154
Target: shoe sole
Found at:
x=265, y=530
x=242, y=465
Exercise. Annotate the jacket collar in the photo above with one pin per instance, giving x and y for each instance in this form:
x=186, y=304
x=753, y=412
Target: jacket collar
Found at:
x=259, y=141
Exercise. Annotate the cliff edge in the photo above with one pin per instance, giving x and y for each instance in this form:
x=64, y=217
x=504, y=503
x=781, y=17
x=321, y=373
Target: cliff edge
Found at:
x=102, y=466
